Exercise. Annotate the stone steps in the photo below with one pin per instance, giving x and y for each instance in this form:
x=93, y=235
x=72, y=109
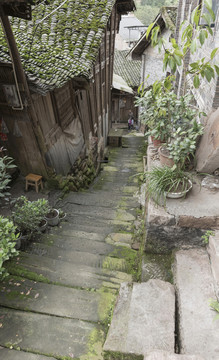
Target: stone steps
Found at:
x=47, y=335
x=198, y=330
x=72, y=243
x=112, y=261
x=143, y=320
x=21, y=355
x=66, y=273
x=20, y=294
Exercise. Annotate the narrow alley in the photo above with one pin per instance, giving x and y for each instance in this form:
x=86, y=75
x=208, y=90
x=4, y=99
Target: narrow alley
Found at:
x=57, y=302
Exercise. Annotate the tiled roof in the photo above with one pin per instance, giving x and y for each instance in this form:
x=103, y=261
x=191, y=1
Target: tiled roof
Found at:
x=166, y=18
x=61, y=41
x=129, y=70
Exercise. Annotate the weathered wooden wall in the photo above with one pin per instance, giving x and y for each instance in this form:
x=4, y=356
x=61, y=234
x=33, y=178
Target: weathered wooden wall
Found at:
x=67, y=121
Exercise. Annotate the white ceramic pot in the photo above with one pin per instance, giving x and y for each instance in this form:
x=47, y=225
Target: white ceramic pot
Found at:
x=178, y=195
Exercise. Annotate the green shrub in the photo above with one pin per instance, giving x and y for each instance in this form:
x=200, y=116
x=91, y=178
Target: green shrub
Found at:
x=6, y=163
x=8, y=238
x=27, y=215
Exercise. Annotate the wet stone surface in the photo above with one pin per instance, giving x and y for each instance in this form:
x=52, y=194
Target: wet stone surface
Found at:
x=58, y=301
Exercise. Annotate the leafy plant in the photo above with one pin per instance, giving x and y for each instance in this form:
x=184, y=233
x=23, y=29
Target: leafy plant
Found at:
x=27, y=215
x=206, y=236
x=6, y=163
x=156, y=105
x=183, y=144
x=162, y=180
x=8, y=239
x=193, y=37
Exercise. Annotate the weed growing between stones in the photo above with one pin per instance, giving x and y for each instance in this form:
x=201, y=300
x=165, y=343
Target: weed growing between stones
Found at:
x=206, y=236
x=214, y=304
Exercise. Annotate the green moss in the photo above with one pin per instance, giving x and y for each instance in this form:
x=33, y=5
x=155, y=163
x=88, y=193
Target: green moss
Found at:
x=15, y=269
x=95, y=345
x=112, y=355
x=106, y=304
x=126, y=259
x=162, y=264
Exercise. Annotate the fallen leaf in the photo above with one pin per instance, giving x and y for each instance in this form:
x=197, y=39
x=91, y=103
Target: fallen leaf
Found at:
x=36, y=296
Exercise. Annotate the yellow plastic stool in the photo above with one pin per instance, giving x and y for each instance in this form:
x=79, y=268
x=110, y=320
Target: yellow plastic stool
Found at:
x=34, y=180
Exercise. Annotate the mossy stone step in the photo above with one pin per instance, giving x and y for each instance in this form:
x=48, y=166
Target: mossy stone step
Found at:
x=47, y=335
x=23, y=294
x=194, y=283
x=8, y=354
x=43, y=268
x=143, y=320
x=73, y=243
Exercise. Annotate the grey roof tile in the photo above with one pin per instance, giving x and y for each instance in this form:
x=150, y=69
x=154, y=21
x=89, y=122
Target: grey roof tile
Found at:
x=60, y=42
x=129, y=70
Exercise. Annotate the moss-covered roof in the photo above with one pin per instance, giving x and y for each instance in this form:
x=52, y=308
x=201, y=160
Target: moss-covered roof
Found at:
x=128, y=69
x=61, y=41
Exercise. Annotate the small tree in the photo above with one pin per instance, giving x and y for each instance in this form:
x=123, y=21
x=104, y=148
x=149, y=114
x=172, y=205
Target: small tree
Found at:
x=193, y=36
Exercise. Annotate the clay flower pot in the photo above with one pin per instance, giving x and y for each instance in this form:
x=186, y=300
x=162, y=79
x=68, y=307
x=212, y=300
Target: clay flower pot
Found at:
x=164, y=157
x=156, y=142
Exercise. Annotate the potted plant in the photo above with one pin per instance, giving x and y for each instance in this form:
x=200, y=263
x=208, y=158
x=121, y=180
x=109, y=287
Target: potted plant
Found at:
x=62, y=214
x=8, y=242
x=185, y=132
x=163, y=181
x=155, y=106
x=52, y=217
x=28, y=215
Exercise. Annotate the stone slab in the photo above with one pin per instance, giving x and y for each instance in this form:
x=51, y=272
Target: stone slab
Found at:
x=8, y=354
x=143, y=320
x=24, y=294
x=76, y=257
x=78, y=244
x=198, y=330
x=50, y=335
x=66, y=273
x=100, y=198
x=68, y=229
x=163, y=355
x=195, y=204
x=213, y=250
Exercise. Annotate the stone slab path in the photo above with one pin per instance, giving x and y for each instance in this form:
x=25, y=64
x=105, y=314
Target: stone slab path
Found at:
x=195, y=289
x=57, y=301
x=143, y=320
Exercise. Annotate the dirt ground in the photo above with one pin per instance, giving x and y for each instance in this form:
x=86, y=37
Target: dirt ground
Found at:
x=18, y=188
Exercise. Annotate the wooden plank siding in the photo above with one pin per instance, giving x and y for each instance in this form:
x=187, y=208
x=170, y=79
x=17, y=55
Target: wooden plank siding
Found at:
x=81, y=109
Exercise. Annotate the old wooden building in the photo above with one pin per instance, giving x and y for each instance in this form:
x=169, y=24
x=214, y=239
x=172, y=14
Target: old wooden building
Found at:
x=123, y=97
x=59, y=109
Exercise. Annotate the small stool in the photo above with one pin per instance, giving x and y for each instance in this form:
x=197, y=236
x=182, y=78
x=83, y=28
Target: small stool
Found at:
x=34, y=180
